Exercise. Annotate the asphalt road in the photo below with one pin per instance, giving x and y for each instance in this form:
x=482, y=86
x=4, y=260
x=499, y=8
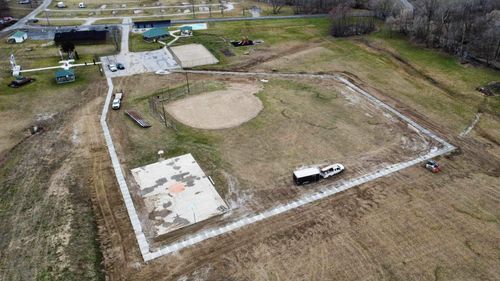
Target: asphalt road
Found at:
x=21, y=24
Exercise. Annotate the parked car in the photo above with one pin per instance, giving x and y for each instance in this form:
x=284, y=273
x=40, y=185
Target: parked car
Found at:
x=432, y=166
x=112, y=67
x=120, y=66
x=24, y=2
x=21, y=82
x=33, y=20
x=81, y=5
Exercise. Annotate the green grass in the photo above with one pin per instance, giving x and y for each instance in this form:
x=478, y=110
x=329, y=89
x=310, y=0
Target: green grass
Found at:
x=447, y=70
x=108, y=21
x=273, y=32
x=137, y=44
x=461, y=77
x=202, y=144
x=44, y=22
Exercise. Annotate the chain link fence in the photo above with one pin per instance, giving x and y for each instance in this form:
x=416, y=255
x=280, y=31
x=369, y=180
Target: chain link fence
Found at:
x=164, y=96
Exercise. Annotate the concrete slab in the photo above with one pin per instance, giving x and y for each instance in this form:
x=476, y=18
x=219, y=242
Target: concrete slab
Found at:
x=177, y=193
x=192, y=55
x=140, y=62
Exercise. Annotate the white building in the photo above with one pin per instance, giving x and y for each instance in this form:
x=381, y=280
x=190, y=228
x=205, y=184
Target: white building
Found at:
x=17, y=37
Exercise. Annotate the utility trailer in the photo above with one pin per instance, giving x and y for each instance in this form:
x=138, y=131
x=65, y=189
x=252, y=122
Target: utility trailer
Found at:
x=314, y=174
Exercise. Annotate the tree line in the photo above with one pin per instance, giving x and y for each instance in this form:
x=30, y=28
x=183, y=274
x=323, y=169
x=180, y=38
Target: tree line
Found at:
x=469, y=29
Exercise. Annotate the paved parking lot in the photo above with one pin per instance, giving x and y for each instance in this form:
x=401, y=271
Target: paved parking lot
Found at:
x=140, y=62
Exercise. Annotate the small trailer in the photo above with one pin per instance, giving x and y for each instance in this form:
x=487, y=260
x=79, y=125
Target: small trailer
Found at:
x=314, y=174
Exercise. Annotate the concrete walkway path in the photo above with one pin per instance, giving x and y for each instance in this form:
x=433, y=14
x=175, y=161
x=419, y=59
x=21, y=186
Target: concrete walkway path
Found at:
x=327, y=191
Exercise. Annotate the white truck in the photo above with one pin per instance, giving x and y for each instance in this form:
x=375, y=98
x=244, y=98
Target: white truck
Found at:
x=313, y=174
x=117, y=101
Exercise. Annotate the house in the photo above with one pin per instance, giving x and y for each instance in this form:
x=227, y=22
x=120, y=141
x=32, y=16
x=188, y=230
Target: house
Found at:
x=155, y=34
x=17, y=37
x=65, y=76
x=186, y=30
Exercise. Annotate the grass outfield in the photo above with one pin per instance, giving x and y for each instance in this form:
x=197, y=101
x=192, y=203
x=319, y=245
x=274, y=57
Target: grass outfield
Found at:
x=433, y=82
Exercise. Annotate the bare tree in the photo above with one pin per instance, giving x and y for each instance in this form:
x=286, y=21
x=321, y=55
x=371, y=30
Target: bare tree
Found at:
x=4, y=8
x=466, y=28
x=277, y=5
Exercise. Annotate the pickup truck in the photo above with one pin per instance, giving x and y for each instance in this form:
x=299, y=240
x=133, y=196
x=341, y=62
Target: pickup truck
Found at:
x=117, y=101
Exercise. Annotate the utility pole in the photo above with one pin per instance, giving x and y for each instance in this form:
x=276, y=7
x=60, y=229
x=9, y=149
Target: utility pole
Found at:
x=47, y=17
x=192, y=6
x=187, y=82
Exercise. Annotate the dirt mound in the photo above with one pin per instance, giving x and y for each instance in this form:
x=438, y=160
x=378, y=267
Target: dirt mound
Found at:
x=220, y=109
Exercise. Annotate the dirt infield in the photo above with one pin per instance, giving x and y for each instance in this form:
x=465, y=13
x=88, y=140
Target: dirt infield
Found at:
x=220, y=109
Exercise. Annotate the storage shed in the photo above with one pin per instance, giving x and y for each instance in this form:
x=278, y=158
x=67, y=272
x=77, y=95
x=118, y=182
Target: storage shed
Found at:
x=152, y=23
x=65, y=76
x=155, y=34
x=17, y=37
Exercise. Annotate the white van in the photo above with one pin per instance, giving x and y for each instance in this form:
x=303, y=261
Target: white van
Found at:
x=81, y=5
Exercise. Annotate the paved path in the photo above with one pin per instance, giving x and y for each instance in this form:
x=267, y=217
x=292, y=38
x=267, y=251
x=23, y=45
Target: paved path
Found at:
x=125, y=35
x=127, y=198
x=327, y=191
x=229, y=7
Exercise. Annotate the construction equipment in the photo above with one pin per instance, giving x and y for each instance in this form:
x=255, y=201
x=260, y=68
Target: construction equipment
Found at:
x=432, y=166
x=244, y=42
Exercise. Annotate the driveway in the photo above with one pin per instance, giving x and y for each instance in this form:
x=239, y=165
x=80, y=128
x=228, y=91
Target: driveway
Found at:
x=140, y=62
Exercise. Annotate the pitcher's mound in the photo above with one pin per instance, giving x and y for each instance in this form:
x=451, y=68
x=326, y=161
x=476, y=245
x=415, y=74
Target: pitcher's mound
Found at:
x=219, y=109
